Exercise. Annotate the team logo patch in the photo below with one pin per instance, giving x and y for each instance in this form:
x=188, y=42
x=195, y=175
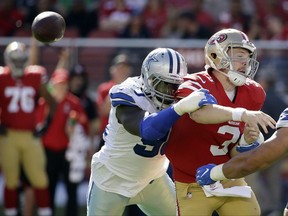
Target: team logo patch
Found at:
x=219, y=39
x=151, y=59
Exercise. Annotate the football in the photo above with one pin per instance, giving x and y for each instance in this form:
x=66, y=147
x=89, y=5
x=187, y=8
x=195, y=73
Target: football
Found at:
x=48, y=27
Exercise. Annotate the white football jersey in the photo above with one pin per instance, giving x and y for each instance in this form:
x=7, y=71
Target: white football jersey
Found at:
x=127, y=163
x=283, y=119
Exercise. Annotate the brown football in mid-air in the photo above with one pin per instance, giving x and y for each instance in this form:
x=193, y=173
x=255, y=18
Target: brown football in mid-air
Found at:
x=48, y=27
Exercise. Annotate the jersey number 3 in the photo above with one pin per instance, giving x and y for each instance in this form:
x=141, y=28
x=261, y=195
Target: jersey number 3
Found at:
x=226, y=129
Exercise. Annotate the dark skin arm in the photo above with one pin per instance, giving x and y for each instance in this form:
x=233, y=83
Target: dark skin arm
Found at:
x=130, y=118
x=262, y=157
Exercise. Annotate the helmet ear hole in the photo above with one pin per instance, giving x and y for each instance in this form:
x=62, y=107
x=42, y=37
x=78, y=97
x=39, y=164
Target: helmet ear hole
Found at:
x=214, y=55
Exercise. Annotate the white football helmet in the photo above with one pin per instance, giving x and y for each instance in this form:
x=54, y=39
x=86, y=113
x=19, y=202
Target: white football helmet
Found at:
x=162, y=72
x=16, y=58
x=216, y=55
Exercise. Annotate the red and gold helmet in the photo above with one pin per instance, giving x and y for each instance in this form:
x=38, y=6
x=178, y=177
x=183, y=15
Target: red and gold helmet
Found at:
x=216, y=55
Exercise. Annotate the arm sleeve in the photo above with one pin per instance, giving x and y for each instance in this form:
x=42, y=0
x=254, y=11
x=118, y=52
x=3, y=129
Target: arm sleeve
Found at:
x=157, y=125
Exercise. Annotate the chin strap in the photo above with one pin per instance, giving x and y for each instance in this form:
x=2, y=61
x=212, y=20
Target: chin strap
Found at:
x=237, y=79
x=222, y=72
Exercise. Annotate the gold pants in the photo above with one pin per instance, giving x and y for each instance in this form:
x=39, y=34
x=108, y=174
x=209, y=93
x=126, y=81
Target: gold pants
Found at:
x=191, y=200
x=22, y=148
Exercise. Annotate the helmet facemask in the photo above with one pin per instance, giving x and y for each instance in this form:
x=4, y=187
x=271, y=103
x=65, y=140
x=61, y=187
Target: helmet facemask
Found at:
x=162, y=92
x=16, y=58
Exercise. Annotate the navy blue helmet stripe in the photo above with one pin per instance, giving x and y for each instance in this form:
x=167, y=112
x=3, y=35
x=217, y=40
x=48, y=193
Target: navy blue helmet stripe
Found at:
x=178, y=63
x=170, y=61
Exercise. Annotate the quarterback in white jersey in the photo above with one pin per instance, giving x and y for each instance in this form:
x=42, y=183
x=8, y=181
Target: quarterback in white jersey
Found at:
x=131, y=167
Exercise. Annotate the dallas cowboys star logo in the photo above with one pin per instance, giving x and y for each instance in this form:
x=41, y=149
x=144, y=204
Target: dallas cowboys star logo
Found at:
x=150, y=59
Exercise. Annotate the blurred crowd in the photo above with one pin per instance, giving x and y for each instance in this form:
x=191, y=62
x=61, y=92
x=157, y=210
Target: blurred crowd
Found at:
x=182, y=19
x=260, y=19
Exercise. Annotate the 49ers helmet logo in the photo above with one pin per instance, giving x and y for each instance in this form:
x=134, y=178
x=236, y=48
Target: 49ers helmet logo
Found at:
x=220, y=38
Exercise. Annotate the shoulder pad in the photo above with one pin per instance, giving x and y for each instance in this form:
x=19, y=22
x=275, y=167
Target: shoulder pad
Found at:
x=36, y=69
x=124, y=93
x=257, y=90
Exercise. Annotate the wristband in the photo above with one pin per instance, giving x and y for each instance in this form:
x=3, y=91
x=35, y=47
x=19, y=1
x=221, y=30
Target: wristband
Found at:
x=237, y=114
x=242, y=141
x=217, y=174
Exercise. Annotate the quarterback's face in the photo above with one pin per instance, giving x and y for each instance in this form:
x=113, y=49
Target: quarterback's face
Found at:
x=239, y=59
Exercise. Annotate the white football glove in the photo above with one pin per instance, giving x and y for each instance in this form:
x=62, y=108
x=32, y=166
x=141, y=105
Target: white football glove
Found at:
x=194, y=101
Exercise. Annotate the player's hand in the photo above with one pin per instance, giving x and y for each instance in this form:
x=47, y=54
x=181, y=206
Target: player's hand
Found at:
x=258, y=118
x=194, y=101
x=250, y=134
x=250, y=139
x=41, y=128
x=3, y=130
x=203, y=175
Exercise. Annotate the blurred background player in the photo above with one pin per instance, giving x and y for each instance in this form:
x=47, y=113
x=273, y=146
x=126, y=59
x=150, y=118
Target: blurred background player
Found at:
x=20, y=90
x=78, y=84
x=66, y=142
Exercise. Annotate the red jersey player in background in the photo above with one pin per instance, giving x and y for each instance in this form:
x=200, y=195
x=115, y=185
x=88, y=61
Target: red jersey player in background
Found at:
x=21, y=86
x=65, y=158
x=230, y=66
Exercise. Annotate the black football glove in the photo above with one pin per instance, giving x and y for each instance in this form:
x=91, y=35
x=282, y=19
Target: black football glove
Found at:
x=41, y=128
x=3, y=130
